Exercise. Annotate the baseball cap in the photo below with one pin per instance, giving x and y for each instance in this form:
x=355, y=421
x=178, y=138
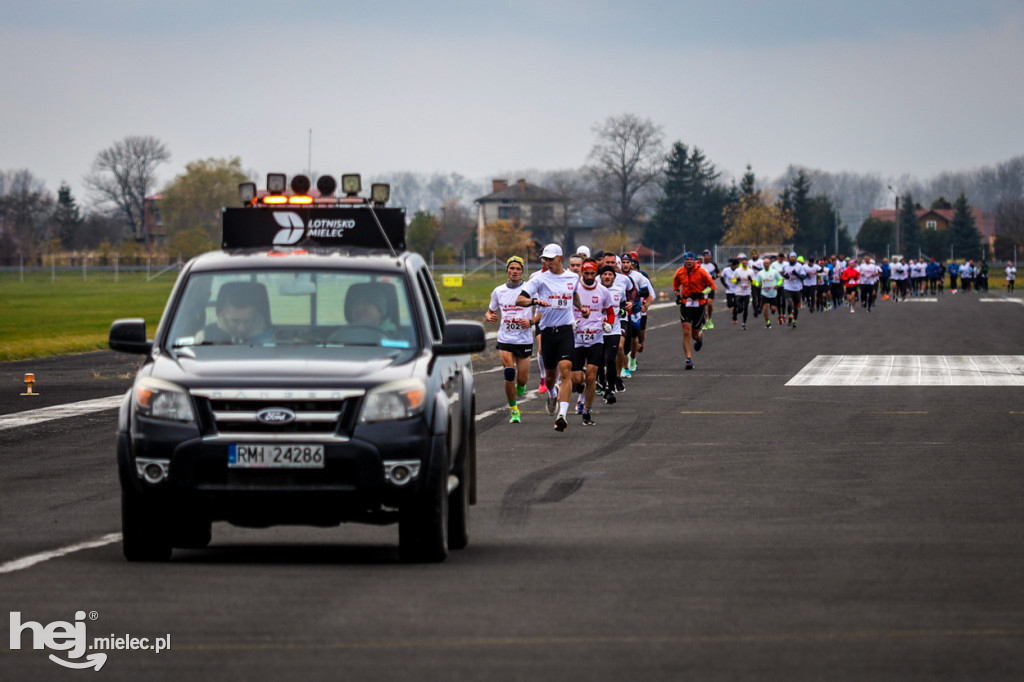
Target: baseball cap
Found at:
x=551, y=251
x=742, y=256
x=792, y=254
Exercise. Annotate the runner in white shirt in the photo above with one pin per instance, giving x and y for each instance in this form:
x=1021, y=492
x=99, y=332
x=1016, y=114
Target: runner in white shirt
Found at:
x=810, y=284
x=555, y=292
x=515, y=334
x=590, y=329
x=623, y=284
x=712, y=269
x=869, y=274
x=768, y=282
x=792, y=289
x=643, y=287
x=898, y=271
x=725, y=277
x=1011, y=276
x=743, y=287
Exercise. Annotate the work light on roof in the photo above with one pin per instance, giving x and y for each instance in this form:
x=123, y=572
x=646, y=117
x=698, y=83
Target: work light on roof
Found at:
x=276, y=183
x=326, y=184
x=351, y=184
x=380, y=193
x=300, y=184
x=247, y=193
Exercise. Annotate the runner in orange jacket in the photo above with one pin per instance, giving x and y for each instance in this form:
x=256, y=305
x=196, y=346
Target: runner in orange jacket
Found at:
x=692, y=285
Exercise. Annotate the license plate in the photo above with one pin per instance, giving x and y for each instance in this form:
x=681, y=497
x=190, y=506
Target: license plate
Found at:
x=268, y=456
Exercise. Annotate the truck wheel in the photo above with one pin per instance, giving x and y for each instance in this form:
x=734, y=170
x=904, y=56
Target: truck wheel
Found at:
x=423, y=523
x=192, y=533
x=145, y=532
x=459, y=500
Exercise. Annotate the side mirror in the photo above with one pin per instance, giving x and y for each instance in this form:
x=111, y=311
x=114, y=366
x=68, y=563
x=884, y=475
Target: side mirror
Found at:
x=129, y=336
x=462, y=337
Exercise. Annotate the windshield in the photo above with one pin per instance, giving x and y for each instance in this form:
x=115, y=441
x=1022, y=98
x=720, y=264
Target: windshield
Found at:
x=293, y=310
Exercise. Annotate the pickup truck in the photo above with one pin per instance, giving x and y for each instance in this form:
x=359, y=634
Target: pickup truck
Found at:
x=304, y=374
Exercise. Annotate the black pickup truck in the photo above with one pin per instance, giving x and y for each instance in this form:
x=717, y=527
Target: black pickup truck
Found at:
x=305, y=374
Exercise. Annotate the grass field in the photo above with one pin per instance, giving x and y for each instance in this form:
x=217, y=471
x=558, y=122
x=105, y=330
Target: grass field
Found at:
x=45, y=315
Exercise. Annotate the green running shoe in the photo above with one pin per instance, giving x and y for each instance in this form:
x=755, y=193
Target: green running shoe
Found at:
x=517, y=416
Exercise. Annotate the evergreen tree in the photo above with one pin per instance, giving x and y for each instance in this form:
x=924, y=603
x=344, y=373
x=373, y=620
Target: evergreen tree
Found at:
x=747, y=184
x=963, y=231
x=690, y=210
x=67, y=219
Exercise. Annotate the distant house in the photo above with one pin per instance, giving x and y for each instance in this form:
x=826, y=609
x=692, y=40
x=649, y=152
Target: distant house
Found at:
x=940, y=218
x=540, y=211
x=153, y=233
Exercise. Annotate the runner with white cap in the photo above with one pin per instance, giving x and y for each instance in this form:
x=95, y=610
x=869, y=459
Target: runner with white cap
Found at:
x=555, y=292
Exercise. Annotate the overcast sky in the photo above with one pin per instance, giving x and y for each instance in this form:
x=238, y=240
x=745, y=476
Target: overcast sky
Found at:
x=888, y=86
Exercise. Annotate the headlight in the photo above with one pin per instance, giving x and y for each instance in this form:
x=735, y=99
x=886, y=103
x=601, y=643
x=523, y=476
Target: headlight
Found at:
x=394, y=401
x=162, y=400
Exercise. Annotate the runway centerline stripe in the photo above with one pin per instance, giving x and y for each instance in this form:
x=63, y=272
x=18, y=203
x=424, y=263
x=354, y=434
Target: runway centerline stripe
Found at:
x=45, y=414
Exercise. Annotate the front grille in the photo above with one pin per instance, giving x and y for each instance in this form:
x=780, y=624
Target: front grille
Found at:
x=317, y=413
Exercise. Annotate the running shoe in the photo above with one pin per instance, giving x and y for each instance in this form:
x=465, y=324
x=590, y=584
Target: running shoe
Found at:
x=711, y=325
x=632, y=365
x=794, y=325
x=609, y=398
x=520, y=391
x=626, y=373
x=852, y=310
x=579, y=406
x=619, y=386
x=543, y=387
x=689, y=363
x=744, y=326
x=767, y=324
x=516, y=417
x=587, y=419
x=560, y=424
x=552, y=405
x=698, y=344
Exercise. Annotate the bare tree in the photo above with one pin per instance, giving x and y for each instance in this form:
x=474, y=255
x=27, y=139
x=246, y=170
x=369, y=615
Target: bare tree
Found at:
x=123, y=174
x=25, y=211
x=626, y=164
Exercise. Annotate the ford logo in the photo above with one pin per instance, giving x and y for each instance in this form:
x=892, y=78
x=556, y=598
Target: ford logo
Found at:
x=275, y=415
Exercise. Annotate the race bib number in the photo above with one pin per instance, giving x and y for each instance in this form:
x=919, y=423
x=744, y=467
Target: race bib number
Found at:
x=690, y=303
x=512, y=326
x=587, y=338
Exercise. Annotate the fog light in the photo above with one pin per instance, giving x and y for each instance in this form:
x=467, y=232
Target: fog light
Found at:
x=152, y=470
x=400, y=472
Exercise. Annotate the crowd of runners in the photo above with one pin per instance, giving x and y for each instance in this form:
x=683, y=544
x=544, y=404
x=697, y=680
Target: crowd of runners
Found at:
x=588, y=315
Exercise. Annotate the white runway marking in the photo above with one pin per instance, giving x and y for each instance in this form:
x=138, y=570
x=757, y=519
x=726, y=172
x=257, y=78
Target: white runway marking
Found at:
x=1019, y=301
x=912, y=370
x=45, y=414
x=33, y=559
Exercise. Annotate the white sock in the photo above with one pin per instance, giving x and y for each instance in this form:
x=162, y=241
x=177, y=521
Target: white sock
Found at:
x=563, y=409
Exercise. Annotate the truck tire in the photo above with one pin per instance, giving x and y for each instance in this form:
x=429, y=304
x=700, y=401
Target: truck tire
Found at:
x=423, y=522
x=145, y=532
x=461, y=497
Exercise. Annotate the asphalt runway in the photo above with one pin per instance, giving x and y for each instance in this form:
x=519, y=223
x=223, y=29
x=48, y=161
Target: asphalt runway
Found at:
x=717, y=524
